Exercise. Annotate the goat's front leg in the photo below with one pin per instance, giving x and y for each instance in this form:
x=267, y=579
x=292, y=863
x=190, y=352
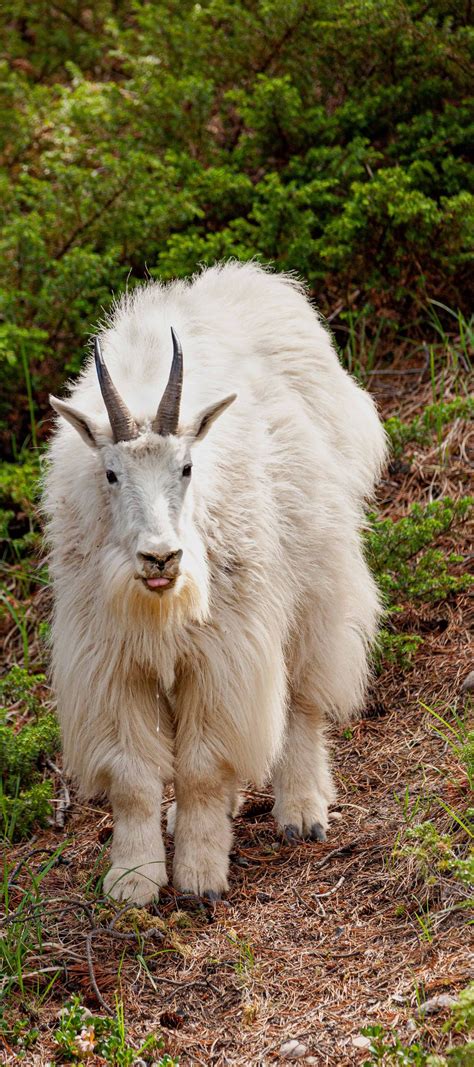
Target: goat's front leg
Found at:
x=138, y=761
x=205, y=789
x=203, y=835
x=138, y=855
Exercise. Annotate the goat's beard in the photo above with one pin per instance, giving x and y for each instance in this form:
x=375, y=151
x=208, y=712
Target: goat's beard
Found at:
x=134, y=606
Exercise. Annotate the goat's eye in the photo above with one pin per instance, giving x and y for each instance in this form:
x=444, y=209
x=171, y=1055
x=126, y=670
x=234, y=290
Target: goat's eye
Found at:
x=111, y=476
x=187, y=470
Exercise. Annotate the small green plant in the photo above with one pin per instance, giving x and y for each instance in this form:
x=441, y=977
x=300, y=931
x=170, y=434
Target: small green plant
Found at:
x=22, y=934
x=440, y=847
x=462, y=1014
x=459, y=738
x=434, y=418
x=25, y=797
x=19, y=687
x=388, y=1048
x=425, y=924
x=82, y=1036
x=245, y=961
x=396, y=648
x=436, y=854
x=20, y=1034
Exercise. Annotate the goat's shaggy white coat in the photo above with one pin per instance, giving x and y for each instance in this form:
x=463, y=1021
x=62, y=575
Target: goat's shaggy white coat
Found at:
x=233, y=673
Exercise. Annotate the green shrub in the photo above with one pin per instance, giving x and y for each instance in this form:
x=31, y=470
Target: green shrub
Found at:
x=408, y=567
x=153, y=138
x=19, y=532
x=462, y=1015
x=403, y=560
x=23, y=809
x=25, y=798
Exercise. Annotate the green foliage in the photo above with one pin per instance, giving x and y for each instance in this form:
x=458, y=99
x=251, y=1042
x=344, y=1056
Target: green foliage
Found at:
x=437, y=854
x=442, y=850
x=398, y=550
x=21, y=752
x=23, y=935
x=24, y=797
x=461, y=1055
x=20, y=1034
x=408, y=567
x=396, y=648
x=19, y=686
x=18, y=492
x=82, y=1036
x=387, y=1049
x=462, y=1015
x=158, y=137
x=22, y=810
x=458, y=737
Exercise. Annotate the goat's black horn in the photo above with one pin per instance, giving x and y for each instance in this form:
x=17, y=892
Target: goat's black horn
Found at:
x=167, y=417
x=124, y=427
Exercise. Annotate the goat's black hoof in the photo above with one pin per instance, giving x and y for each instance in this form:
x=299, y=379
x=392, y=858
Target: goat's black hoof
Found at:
x=188, y=899
x=291, y=834
x=317, y=833
x=210, y=894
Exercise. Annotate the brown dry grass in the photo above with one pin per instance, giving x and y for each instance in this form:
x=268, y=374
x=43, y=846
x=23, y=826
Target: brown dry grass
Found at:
x=313, y=941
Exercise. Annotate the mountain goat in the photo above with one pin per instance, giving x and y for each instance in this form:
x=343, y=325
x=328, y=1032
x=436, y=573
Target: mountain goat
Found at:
x=213, y=608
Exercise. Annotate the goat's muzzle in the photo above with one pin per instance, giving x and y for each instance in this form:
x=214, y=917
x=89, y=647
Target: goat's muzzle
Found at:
x=159, y=572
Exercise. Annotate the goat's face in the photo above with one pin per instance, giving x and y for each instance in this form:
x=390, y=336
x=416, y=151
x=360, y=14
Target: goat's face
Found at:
x=153, y=540
x=148, y=482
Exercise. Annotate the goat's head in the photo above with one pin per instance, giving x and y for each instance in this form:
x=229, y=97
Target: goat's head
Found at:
x=147, y=475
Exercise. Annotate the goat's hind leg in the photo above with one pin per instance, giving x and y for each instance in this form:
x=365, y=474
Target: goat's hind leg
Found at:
x=302, y=779
x=328, y=668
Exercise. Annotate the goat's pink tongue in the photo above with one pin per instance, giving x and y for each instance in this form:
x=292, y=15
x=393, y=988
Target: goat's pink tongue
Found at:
x=156, y=583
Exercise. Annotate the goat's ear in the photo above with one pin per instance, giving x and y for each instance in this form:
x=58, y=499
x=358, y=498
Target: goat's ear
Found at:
x=205, y=419
x=84, y=426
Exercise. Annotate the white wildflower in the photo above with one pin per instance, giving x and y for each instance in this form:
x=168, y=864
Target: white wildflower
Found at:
x=85, y=1041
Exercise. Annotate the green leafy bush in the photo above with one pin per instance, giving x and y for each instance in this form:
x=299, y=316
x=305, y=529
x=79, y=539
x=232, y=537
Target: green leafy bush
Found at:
x=153, y=138
x=19, y=532
x=24, y=797
x=408, y=567
x=396, y=648
x=462, y=1016
x=400, y=555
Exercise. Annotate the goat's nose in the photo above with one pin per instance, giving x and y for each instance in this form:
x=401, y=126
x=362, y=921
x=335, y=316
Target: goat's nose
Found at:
x=160, y=560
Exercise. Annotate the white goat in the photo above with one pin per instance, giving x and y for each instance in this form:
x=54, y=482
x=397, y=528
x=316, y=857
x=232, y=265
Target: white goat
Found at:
x=207, y=626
